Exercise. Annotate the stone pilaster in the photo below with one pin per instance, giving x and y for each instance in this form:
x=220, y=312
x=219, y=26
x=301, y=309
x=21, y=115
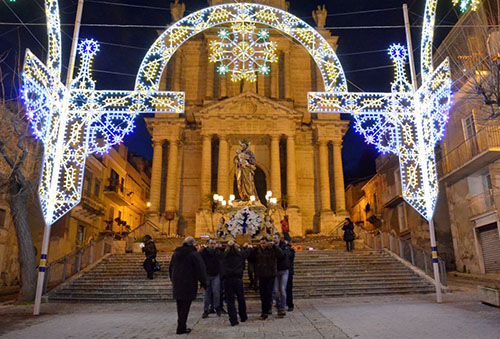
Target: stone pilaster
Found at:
x=171, y=192
x=291, y=171
x=222, y=179
x=206, y=170
x=287, y=74
x=155, y=190
x=339, y=177
x=209, y=87
x=275, y=166
x=324, y=176
x=274, y=81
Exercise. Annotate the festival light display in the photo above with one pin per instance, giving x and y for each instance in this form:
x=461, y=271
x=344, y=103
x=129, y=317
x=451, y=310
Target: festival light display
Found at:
x=466, y=5
x=243, y=51
x=77, y=121
x=404, y=122
x=250, y=14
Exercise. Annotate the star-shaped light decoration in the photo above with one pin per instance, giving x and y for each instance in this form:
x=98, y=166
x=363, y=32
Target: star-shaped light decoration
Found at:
x=243, y=51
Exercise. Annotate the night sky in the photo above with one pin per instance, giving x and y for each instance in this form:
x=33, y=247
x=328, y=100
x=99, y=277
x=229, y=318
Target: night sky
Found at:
x=362, y=51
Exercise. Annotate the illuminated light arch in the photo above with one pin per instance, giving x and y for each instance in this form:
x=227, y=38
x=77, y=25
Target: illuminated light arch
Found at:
x=174, y=36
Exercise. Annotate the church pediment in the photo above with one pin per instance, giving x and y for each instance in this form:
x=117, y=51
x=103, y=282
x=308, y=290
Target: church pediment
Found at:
x=249, y=104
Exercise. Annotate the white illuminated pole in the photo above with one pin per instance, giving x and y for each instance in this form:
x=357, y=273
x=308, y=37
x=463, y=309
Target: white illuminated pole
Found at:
x=46, y=232
x=74, y=44
x=435, y=261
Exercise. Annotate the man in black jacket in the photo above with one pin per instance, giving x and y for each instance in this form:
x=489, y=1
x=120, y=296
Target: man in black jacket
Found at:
x=283, y=265
x=266, y=260
x=233, y=264
x=289, y=285
x=186, y=270
x=149, y=250
x=212, y=259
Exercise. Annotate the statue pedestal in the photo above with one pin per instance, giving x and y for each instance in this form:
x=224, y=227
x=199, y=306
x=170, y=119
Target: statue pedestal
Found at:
x=242, y=219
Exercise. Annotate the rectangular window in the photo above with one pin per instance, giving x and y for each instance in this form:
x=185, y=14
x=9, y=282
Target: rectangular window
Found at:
x=403, y=226
x=113, y=180
x=97, y=187
x=469, y=126
x=375, y=203
x=3, y=214
x=397, y=181
x=80, y=234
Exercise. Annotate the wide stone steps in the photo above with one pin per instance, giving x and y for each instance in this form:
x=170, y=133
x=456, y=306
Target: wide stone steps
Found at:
x=121, y=278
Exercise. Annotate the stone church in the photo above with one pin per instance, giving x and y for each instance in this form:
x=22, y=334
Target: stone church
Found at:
x=298, y=154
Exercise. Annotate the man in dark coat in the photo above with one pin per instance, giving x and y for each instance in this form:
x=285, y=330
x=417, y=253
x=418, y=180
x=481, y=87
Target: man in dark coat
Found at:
x=281, y=280
x=212, y=259
x=186, y=270
x=149, y=250
x=348, y=229
x=289, y=285
x=233, y=264
x=266, y=265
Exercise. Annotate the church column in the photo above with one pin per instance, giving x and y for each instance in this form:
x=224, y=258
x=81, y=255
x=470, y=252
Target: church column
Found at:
x=206, y=169
x=324, y=175
x=274, y=81
x=171, y=198
x=287, y=74
x=155, y=191
x=291, y=173
x=275, y=166
x=223, y=85
x=339, y=177
x=223, y=172
x=177, y=71
x=209, y=88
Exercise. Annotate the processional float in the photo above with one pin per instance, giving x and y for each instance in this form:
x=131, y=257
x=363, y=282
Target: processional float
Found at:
x=77, y=120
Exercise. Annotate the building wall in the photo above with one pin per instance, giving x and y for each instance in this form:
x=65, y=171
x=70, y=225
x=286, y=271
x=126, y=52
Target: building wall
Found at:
x=469, y=160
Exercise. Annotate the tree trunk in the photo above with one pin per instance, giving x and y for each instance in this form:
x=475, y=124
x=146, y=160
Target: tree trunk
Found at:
x=27, y=257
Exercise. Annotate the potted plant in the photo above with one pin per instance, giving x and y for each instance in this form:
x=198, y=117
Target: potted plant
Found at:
x=489, y=295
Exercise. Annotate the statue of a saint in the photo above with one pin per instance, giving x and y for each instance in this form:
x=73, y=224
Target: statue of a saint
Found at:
x=245, y=169
x=177, y=10
x=319, y=16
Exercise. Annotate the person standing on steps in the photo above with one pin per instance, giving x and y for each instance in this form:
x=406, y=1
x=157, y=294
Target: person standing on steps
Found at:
x=233, y=265
x=266, y=258
x=186, y=270
x=348, y=229
x=149, y=249
x=285, y=228
x=212, y=259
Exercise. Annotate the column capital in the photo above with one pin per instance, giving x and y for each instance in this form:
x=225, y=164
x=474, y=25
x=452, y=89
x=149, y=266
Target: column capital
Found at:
x=323, y=141
x=223, y=136
x=206, y=134
x=337, y=143
x=157, y=143
x=275, y=136
x=290, y=136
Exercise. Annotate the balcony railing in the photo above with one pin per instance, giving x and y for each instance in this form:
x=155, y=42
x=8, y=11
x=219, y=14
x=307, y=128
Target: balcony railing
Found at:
x=485, y=141
x=116, y=194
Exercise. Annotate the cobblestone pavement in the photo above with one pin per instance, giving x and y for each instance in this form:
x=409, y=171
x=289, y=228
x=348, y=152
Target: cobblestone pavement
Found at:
x=414, y=316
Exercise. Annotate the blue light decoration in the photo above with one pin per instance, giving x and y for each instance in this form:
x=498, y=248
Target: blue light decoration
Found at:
x=77, y=121
x=404, y=122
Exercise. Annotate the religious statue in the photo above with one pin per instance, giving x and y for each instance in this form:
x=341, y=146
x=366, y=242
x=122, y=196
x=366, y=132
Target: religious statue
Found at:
x=177, y=10
x=244, y=162
x=319, y=16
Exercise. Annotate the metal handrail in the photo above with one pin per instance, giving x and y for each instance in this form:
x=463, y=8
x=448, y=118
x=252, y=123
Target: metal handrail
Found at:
x=417, y=256
x=61, y=269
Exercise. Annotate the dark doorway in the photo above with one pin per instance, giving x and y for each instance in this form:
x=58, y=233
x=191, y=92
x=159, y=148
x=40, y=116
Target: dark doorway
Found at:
x=260, y=186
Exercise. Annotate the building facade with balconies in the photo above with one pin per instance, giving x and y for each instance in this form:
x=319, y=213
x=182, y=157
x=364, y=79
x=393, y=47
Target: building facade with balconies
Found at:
x=469, y=155
x=377, y=204
x=114, y=201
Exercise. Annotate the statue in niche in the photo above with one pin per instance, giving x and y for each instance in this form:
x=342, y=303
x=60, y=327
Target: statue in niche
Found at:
x=177, y=10
x=244, y=162
x=319, y=16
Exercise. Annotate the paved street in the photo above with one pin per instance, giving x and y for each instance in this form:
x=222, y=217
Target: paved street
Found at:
x=414, y=316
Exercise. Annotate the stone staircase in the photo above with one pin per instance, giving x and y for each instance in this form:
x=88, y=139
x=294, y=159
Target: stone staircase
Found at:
x=121, y=278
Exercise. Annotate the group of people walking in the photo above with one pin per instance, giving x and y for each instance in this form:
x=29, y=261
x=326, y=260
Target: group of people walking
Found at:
x=219, y=273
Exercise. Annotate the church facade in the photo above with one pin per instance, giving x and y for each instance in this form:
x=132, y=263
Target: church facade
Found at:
x=298, y=154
